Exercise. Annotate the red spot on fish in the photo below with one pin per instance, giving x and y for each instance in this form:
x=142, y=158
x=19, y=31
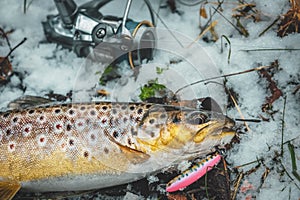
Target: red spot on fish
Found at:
x=104, y=121
x=27, y=129
x=58, y=126
x=42, y=140
x=11, y=146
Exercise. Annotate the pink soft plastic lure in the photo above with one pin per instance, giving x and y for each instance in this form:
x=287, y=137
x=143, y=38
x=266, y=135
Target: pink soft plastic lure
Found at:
x=193, y=174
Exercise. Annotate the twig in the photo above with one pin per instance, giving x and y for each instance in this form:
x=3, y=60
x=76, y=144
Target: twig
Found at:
x=264, y=118
x=275, y=49
x=274, y=22
x=237, y=185
x=241, y=32
x=253, y=169
x=6, y=38
x=234, y=102
x=238, y=109
x=211, y=15
x=248, y=120
x=296, y=89
x=264, y=176
x=290, y=22
x=289, y=175
x=286, y=142
x=212, y=25
x=10, y=52
x=249, y=163
x=226, y=75
x=244, y=5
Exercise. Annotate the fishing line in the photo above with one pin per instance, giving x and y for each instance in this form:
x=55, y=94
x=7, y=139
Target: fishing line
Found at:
x=165, y=25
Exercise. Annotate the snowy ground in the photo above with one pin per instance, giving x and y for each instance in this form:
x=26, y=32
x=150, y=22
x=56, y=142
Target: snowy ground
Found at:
x=46, y=67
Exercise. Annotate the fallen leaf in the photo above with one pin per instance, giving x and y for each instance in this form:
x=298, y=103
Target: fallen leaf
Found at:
x=5, y=69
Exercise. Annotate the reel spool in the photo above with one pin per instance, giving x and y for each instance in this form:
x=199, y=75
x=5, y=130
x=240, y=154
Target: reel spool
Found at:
x=144, y=40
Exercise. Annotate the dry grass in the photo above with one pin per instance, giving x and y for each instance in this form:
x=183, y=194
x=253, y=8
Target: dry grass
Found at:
x=291, y=20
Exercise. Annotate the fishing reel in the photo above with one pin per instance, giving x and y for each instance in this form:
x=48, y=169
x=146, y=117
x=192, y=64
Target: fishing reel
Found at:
x=87, y=31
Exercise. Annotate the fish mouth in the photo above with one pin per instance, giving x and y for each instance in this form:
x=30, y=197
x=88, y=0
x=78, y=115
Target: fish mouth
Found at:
x=215, y=129
x=214, y=133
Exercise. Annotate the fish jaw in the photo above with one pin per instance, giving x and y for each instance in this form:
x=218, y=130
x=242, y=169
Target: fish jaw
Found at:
x=189, y=137
x=215, y=133
x=216, y=129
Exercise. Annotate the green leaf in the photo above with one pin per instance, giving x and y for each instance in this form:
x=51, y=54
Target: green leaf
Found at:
x=150, y=88
x=159, y=70
x=109, y=73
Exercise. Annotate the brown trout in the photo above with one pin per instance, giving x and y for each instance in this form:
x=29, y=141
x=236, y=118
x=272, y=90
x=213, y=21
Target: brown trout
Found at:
x=82, y=146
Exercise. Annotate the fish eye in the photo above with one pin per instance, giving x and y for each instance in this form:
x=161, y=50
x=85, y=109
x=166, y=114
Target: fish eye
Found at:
x=196, y=118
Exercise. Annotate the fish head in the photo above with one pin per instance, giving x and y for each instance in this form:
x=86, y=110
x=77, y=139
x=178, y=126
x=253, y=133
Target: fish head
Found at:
x=184, y=133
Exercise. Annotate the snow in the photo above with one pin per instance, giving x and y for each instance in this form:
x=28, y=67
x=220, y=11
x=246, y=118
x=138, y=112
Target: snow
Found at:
x=47, y=67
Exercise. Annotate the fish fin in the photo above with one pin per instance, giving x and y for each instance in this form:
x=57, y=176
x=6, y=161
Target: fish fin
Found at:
x=8, y=189
x=28, y=101
x=210, y=104
x=134, y=155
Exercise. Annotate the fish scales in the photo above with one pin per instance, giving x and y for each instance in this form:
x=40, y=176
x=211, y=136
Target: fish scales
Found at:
x=69, y=131
x=98, y=141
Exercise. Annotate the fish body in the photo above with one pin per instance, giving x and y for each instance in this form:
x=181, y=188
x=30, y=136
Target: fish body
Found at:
x=84, y=146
